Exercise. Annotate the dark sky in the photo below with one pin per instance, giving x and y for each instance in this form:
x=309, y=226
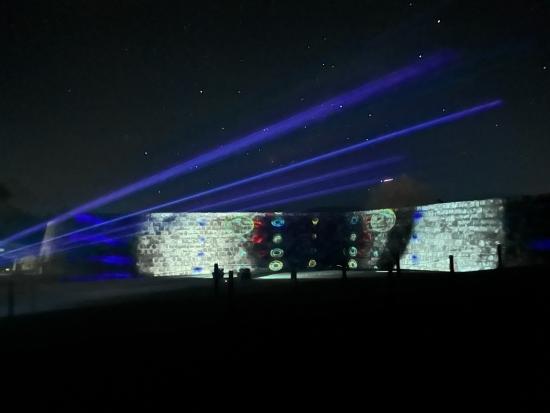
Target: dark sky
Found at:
x=96, y=94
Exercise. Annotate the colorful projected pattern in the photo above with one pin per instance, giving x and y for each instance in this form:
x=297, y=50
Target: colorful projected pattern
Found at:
x=422, y=238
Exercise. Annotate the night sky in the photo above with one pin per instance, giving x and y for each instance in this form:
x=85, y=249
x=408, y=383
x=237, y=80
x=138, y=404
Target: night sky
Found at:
x=97, y=94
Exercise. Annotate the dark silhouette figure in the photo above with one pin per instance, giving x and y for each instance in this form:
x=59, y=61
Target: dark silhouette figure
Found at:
x=217, y=274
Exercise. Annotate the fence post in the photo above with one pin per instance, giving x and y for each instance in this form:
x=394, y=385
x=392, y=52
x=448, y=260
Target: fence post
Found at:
x=499, y=256
x=344, y=272
x=230, y=281
x=293, y=275
x=451, y=263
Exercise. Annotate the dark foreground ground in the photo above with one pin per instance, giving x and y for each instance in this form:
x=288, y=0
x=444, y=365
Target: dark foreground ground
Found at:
x=478, y=340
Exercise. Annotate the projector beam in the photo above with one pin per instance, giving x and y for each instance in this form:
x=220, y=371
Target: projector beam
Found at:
x=348, y=149
x=301, y=183
x=313, y=114
x=254, y=208
x=314, y=194
x=92, y=239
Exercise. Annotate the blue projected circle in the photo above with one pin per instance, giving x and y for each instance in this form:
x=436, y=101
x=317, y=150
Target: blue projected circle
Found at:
x=276, y=253
x=354, y=220
x=352, y=264
x=353, y=236
x=352, y=251
x=278, y=222
x=276, y=265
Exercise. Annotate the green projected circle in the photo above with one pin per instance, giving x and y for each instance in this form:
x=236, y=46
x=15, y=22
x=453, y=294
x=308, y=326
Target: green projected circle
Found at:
x=383, y=220
x=276, y=265
x=276, y=253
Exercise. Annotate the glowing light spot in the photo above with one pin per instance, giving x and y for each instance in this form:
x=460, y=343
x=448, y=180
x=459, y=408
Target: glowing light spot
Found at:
x=315, y=220
x=276, y=265
x=257, y=239
x=540, y=244
x=313, y=236
x=278, y=222
x=354, y=220
x=353, y=236
x=352, y=264
x=276, y=253
x=352, y=251
x=312, y=263
x=382, y=220
x=277, y=238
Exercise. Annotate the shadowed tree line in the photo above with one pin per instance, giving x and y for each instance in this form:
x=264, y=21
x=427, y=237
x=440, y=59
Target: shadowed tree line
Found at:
x=12, y=219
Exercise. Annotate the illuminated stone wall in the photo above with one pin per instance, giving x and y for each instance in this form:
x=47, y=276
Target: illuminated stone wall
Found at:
x=423, y=237
x=470, y=231
x=190, y=243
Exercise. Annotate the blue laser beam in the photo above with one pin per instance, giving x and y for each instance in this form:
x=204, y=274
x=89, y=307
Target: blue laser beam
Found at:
x=332, y=154
x=87, y=239
x=303, y=182
x=314, y=194
x=257, y=207
x=308, y=116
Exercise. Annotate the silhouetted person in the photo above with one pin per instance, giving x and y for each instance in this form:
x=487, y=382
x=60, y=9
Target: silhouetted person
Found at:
x=217, y=274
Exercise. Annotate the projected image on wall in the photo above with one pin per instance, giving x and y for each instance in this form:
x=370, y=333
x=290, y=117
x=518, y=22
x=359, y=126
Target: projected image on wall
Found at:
x=269, y=242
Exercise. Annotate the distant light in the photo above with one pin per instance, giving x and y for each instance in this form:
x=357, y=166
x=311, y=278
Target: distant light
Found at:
x=438, y=21
x=387, y=180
